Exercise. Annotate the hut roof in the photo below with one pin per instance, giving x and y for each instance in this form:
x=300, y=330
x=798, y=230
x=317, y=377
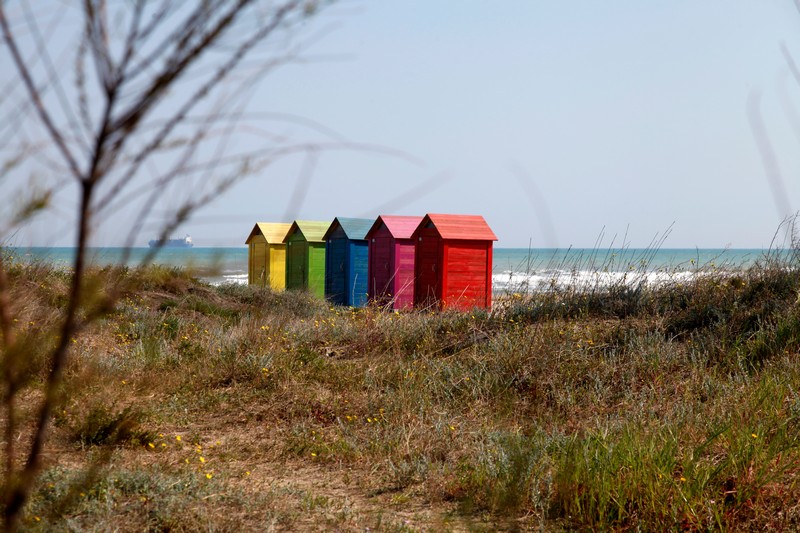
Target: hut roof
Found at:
x=274, y=232
x=463, y=227
x=312, y=230
x=354, y=228
x=400, y=227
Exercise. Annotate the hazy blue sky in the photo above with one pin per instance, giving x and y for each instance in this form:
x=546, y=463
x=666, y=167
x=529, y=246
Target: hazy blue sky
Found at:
x=555, y=120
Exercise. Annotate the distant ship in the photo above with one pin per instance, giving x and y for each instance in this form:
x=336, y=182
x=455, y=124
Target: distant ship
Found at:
x=186, y=242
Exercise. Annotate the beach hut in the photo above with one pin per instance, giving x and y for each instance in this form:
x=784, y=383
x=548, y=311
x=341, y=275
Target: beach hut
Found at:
x=305, y=256
x=391, y=261
x=453, y=262
x=346, y=252
x=266, y=258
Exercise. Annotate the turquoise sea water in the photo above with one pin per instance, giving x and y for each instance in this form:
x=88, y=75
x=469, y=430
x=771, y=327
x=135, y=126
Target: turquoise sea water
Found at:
x=513, y=268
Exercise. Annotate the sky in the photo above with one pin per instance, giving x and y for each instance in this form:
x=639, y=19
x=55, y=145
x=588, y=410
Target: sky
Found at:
x=562, y=123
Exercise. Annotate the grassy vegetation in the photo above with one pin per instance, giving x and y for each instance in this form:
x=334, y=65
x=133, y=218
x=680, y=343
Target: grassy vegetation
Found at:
x=192, y=407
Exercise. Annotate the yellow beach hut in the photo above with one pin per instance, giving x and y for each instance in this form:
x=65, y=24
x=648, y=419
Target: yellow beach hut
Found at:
x=266, y=265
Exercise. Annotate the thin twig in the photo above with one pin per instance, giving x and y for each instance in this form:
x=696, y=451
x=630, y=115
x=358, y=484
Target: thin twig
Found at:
x=33, y=94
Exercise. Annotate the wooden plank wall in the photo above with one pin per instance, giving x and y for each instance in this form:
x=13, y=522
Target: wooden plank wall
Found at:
x=277, y=266
x=428, y=269
x=336, y=269
x=358, y=264
x=296, y=263
x=316, y=268
x=403, y=283
x=380, y=268
x=257, y=262
x=465, y=277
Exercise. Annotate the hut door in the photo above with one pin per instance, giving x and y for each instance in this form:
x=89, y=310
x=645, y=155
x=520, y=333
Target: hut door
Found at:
x=336, y=271
x=379, y=272
x=428, y=292
x=296, y=257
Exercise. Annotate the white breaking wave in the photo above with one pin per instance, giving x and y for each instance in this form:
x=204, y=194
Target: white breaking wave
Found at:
x=545, y=280
x=239, y=278
x=235, y=278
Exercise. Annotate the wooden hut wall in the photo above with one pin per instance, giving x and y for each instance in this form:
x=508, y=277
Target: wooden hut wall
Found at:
x=403, y=282
x=276, y=275
x=428, y=267
x=391, y=261
x=357, y=273
x=305, y=265
x=467, y=277
x=380, y=270
x=335, y=264
x=347, y=263
x=296, y=262
x=453, y=262
x=305, y=256
x=316, y=268
x=257, y=261
x=266, y=265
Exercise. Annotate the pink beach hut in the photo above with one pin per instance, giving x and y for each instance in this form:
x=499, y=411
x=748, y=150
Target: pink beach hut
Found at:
x=391, y=261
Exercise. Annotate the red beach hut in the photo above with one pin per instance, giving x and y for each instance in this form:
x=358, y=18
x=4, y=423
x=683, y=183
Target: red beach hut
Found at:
x=391, y=261
x=453, y=262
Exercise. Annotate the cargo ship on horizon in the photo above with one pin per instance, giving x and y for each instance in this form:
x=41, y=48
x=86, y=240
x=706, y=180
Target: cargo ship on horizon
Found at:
x=185, y=242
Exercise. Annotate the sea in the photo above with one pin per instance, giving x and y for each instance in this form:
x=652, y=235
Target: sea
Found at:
x=513, y=270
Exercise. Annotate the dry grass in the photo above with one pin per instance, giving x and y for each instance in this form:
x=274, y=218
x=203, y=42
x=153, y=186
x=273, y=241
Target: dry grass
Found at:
x=199, y=408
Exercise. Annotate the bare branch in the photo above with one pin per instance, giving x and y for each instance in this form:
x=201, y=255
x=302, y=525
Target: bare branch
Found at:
x=768, y=159
x=539, y=203
x=157, y=188
x=414, y=193
x=177, y=40
x=97, y=37
x=787, y=55
x=19, y=491
x=8, y=342
x=182, y=213
x=104, y=151
x=133, y=117
x=34, y=95
x=156, y=19
x=174, y=68
x=301, y=186
x=130, y=42
x=80, y=84
x=53, y=78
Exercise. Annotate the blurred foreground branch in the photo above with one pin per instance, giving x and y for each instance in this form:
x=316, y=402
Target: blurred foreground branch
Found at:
x=144, y=71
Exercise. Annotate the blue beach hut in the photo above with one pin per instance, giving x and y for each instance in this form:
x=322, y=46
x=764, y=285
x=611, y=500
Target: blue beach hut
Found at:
x=346, y=261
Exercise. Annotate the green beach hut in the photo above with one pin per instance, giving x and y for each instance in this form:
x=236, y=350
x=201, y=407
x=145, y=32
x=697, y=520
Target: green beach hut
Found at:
x=305, y=256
